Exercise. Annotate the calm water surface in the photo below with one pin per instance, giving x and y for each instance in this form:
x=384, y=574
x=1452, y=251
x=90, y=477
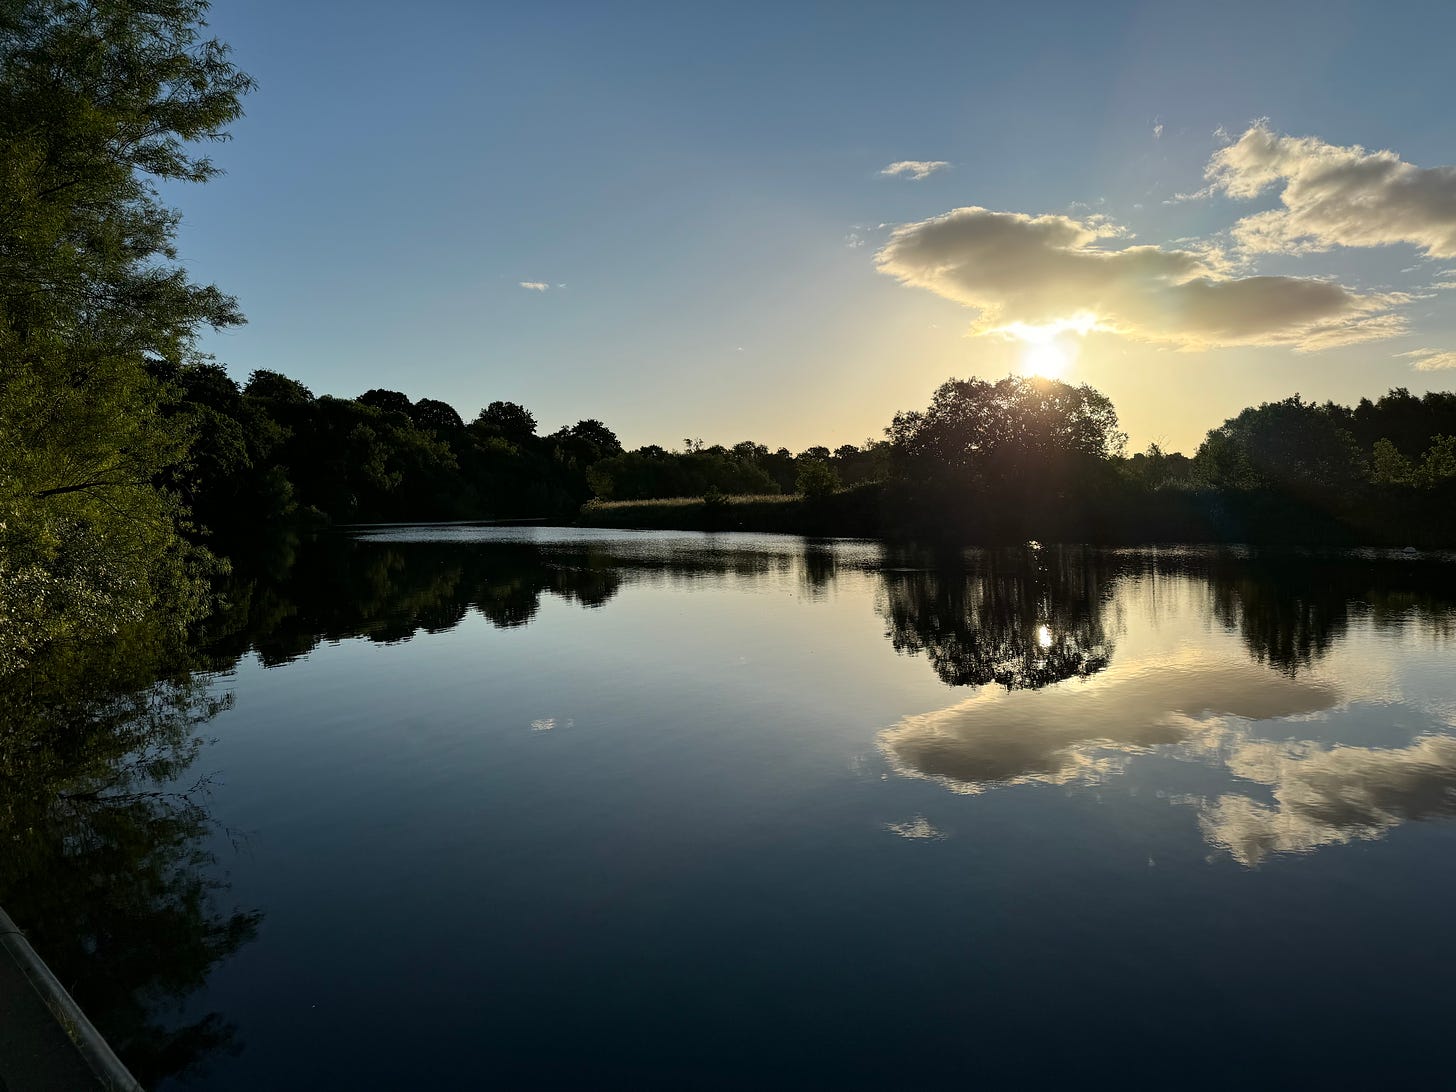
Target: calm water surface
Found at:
x=585, y=809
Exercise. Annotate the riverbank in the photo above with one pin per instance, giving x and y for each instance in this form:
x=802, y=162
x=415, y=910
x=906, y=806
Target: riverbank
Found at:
x=849, y=513
x=1116, y=517
x=46, y=1042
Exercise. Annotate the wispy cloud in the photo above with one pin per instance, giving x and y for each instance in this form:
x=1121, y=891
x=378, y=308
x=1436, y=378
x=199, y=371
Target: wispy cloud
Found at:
x=1019, y=270
x=1334, y=195
x=1431, y=360
x=915, y=169
x=535, y=286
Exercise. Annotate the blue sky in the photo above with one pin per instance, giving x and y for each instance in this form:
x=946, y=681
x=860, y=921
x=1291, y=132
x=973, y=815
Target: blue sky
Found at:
x=700, y=188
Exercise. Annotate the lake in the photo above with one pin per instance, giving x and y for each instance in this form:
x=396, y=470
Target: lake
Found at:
x=466, y=808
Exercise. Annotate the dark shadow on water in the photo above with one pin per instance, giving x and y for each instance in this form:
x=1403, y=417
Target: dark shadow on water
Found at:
x=105, y=827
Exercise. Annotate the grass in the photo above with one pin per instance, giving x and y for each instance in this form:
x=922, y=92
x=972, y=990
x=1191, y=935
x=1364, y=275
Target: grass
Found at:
x=844, y=513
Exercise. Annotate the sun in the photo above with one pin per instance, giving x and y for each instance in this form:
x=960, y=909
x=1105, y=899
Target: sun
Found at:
x=1045, y=359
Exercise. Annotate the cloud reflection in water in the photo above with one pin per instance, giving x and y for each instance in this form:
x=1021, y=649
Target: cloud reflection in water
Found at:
x=1060, y=734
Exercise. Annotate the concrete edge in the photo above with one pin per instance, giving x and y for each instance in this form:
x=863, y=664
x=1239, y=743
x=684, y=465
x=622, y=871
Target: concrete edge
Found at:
x=94, y=1049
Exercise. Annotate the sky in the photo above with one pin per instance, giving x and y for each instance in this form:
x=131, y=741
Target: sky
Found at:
x=786, y=221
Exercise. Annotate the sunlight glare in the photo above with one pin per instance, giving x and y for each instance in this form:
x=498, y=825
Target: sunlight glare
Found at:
x=1046, y=360
x=1050, y=349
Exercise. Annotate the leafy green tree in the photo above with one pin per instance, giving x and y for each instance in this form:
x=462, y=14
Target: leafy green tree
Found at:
x=1439, y=463
x=1388, y=466
x=99, y=100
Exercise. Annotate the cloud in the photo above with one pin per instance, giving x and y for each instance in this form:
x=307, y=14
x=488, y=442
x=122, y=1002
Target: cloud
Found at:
x=1019, y=270
x=1334, y=195
x=1431, y=360
x=1083, y=732
x=915, y=169
x=1329, y=797
x=536, y=286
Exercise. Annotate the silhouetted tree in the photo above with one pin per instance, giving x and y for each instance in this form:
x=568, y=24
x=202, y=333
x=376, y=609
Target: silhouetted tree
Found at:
x=816, y=479
x=1292, y=445
x=388, y=401
x=436, y=416
x=507, y=420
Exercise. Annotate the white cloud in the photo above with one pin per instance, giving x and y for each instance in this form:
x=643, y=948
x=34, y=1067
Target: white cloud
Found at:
x=536, y=286
x=1018, y=270
x=1334, y=195
x=1431, y=360
x=915, y=169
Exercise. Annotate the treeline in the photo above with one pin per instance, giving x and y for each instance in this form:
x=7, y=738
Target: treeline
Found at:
x=1380, y=472
x=269, y=453
x=1018, y=459
x=985, y=462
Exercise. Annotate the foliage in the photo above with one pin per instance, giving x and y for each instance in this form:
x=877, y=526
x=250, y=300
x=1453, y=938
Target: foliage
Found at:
x=1014, y=430
x=816, y=479
x=1291, y=445
x=99, y=99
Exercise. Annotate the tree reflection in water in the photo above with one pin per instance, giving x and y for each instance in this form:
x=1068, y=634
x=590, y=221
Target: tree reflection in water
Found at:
x=105, y=864
x=1023, y=619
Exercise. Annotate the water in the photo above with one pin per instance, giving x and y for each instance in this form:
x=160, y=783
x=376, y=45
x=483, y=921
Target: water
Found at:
x=594, y=809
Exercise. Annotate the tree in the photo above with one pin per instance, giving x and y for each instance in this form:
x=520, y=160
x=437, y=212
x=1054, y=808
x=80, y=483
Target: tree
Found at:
x=816, y=479
x=508, y=421
x=1016, y=431
x=1293, y=446
x=388, y=401
x=433, y=415
x=1388, y=466
x=598, y=435
x=277, y=389
x=1439, y=463
x=99, y=99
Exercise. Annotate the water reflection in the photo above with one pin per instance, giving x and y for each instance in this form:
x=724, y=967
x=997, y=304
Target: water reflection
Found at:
x=1329, y=796
x=341, y=587
x=1035, y=632
x=1065, y=712
x=1290, y=610
x=1083, y=732
x=1022, y=619
x=105, y=864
